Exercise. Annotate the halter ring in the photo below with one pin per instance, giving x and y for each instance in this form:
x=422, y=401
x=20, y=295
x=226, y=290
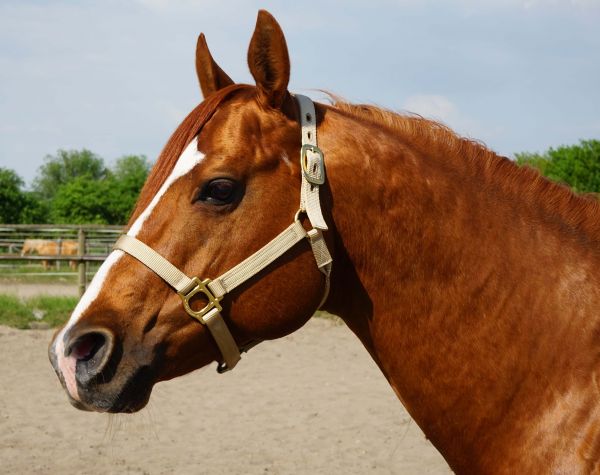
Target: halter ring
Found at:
x=200, y=287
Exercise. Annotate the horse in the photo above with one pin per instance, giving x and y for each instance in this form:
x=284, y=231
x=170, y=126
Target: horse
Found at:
x=474, y=284
x=47, y=247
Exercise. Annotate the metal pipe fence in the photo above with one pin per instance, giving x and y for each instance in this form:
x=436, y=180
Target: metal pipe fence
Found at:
x=52, y=245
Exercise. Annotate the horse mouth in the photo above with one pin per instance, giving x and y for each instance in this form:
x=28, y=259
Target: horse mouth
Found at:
x=124, y=389
x=120, y=395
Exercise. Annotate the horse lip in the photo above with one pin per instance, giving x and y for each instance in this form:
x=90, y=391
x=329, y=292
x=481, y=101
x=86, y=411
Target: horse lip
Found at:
x=79, y=405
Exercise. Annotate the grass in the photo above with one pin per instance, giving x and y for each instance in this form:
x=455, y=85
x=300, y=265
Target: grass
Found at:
x=18, y=313
x=53, y=311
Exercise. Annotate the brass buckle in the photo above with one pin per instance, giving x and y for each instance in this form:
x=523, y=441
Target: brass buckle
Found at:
x=320, y=178
x=200, y=287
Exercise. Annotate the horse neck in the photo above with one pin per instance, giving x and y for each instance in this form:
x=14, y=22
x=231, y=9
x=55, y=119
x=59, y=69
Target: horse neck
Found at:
x=474, y=298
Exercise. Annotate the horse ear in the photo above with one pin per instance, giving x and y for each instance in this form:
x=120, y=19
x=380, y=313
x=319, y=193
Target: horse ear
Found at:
x=210, y=75
x=269, y=60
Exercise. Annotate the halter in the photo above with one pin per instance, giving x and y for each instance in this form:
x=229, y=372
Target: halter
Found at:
x=313, y=176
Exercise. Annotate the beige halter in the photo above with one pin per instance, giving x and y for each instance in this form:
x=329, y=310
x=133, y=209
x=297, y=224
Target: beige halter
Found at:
x=313, y=175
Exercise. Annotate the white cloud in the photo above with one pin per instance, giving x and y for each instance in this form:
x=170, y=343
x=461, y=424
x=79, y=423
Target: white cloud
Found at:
x=484, y=4
x=432, y=106
x=529, y=4
x=442, y=109
x=164, y=4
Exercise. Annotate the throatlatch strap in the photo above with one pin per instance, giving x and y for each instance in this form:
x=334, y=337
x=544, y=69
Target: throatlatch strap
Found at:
x=312, y=164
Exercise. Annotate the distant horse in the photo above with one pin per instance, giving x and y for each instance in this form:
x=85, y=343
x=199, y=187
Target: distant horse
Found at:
x=473, y=284
x=46, y=247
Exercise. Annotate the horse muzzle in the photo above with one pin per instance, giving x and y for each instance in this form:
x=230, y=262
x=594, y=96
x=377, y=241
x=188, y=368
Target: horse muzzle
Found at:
x=89, y=363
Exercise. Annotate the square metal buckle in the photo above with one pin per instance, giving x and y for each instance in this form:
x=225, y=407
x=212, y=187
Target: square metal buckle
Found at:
x=316, y=177
x=200, y=287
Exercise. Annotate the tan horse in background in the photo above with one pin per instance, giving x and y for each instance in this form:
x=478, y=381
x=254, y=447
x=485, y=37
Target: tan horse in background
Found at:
x=47, y=247
x=473, y=284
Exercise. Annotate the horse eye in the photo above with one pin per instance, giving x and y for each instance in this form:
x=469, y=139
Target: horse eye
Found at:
x=218, y=192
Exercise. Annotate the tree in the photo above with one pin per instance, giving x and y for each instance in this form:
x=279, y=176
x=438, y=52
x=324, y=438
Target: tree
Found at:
x=16, y=205
x=125, y=183
x=64, y=167
x=576, y=165
x=82, y=200
x=11, y=196
x=34, y=210
x=108, y=200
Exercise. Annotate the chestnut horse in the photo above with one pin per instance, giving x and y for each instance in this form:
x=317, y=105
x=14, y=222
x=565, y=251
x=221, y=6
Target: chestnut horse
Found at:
x=473, y=284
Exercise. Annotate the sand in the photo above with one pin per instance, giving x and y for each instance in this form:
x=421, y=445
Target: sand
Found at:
x=311, y=403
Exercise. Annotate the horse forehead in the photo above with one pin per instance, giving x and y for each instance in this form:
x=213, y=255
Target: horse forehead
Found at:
x=238, y=127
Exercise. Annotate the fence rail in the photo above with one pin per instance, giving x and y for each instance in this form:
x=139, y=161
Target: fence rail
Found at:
x=56, y=243
x=77, y=258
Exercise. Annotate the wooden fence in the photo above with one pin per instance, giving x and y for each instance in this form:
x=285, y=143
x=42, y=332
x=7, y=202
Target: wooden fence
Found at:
x=93, y=244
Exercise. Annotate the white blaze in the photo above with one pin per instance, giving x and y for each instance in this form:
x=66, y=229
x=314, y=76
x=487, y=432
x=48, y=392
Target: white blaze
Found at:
x=188, y=160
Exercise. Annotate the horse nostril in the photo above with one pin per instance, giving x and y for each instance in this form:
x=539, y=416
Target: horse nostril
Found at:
x=86, y=346
x=92, y=351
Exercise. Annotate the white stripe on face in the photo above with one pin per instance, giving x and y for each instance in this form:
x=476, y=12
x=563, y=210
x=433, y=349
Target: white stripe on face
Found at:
x=185, y=163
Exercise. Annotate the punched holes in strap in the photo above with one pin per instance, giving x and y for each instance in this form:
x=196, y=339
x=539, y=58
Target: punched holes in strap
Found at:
x=312, y=164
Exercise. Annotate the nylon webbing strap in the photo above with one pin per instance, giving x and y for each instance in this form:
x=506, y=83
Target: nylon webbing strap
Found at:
x=258, y=261
x=222, y=336
x=312, y=164
x=183, y=284
x=323, y=259
x=154, y=261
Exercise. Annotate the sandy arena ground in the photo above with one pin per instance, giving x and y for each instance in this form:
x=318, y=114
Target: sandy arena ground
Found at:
x=311, y=403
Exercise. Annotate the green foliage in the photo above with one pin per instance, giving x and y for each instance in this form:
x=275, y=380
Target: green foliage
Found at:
x=128, y=177
x=74, y=187
x=17, y=205
x=77, y=188
x=66, y=166
x=11, y=196
x=576, y=165
x=54, y=311
x=80, y=201
x=34, y=210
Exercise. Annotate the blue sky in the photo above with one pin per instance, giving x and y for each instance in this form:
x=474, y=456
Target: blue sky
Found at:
x=117, y=77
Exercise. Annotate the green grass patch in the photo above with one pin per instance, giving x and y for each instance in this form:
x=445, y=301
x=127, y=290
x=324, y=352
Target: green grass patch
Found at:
x=18, y=313
x=53, y=311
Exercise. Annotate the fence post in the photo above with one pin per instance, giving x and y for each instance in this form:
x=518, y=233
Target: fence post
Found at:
x=59, y=253
x=81, y=248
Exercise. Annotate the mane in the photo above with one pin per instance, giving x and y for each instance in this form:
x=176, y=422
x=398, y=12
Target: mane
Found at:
x=187, y=130
x=580, y=211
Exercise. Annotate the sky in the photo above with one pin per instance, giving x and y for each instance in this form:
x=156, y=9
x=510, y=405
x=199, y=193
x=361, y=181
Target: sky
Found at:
x=117, y=77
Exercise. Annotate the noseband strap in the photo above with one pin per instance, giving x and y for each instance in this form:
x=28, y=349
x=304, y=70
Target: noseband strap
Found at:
x=313, y=175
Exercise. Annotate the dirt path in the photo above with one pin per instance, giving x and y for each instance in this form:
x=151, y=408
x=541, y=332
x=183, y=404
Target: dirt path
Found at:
x=26, y=290
x=311, y=403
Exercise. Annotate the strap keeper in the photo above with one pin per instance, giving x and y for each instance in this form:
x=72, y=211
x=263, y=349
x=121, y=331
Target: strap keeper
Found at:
x=319, y=248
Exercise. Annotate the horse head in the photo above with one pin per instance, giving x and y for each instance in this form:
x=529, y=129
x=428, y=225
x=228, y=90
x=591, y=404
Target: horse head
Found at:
x=223, y=188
